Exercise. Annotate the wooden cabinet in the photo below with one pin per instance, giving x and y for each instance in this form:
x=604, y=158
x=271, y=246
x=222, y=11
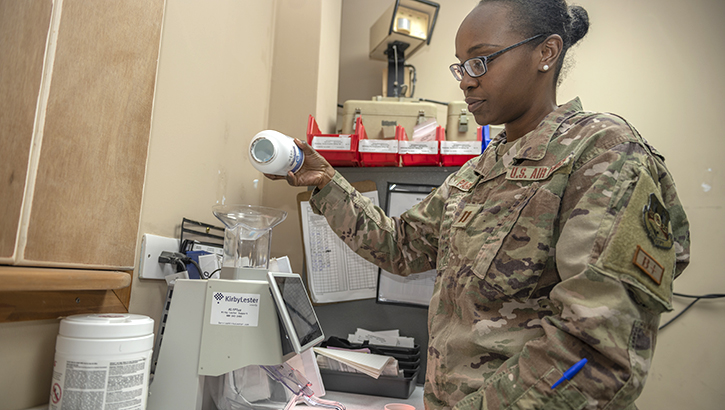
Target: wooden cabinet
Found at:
x=79, y=114
x=77, y=82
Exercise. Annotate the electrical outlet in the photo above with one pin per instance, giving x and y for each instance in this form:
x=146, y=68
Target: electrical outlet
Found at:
x=151, y=247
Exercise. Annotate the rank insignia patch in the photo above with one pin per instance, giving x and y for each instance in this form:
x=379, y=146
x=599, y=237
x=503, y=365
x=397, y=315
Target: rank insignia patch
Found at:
x=467, y=215
x=657, y=223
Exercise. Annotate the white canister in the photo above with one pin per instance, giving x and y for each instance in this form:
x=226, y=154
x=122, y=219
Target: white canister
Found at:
x=274, y=153
x=102, y=361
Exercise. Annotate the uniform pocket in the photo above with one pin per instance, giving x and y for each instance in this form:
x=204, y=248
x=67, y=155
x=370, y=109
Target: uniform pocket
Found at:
x=518, y=242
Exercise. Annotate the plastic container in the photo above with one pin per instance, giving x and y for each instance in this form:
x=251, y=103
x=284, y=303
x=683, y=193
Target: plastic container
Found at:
x=379, y=152
x=456, y=153
x=272, y=152
x=360, y=383
x=102, y=361
x=426, y=153
x=340, y=150
x=388, y=386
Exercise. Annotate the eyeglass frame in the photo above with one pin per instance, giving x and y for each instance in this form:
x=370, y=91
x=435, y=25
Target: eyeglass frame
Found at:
x=462, y=67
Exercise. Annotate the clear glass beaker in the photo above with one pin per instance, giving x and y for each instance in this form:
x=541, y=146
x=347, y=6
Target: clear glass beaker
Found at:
x=248, y=234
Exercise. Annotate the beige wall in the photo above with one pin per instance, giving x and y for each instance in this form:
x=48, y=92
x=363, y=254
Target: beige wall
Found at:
x=659, y=64
x=212, y=96
x=304, y=82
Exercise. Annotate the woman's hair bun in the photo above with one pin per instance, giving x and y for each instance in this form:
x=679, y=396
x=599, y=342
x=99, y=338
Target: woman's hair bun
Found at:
x=579, y=25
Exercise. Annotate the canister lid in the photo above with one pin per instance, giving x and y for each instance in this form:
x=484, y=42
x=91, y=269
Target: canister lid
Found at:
x=106, y=326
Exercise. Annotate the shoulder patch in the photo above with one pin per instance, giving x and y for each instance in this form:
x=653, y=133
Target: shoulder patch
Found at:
x=632, y=252
x=656, y=221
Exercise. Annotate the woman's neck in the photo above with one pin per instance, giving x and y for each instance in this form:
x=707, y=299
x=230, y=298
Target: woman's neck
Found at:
x=530, y=120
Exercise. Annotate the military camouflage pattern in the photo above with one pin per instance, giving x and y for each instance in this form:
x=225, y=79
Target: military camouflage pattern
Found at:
x=543, y=258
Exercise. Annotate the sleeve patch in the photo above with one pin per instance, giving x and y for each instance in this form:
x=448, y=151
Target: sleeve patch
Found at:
x=657, y=223
x=632, y=250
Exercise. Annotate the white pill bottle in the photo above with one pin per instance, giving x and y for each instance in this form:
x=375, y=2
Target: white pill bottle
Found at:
x=274, y=153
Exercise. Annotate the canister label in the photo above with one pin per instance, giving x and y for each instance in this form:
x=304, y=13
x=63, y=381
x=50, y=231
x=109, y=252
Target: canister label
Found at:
x=80, y=383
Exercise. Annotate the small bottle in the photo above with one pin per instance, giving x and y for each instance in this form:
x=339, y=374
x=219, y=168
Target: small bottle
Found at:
x=275, y=153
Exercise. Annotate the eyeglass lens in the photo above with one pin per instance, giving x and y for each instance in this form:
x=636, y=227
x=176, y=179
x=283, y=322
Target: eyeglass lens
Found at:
x=475, y=67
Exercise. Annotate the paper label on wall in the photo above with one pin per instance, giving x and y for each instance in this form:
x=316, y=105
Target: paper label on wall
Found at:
x=460, y=147
x=418, y=147
x=235, y=309
x=341, y=143
x=379, y=146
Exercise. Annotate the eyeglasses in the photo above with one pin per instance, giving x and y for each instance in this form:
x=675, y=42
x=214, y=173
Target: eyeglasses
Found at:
x=478, y=66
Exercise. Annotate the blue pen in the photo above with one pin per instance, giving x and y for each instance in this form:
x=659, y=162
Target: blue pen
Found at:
x=571, y=372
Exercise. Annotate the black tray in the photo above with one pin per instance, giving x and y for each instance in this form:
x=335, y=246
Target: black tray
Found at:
x=360, y=383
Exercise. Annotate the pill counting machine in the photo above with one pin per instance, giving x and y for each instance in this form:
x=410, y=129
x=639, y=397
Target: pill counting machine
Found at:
x=226, y=340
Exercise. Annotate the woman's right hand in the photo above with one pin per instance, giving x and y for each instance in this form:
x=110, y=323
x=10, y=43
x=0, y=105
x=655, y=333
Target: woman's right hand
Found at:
x=315, y=171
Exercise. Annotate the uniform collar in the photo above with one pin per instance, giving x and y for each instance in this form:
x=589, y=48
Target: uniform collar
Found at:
x=531, y=146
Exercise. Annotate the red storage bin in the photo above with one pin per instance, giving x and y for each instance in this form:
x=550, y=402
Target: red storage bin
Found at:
x=452, y=159
x=336, y=152
x=379, y=159
x=417, y=160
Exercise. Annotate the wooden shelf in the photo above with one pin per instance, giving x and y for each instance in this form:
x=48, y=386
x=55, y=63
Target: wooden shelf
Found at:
x=24, y=279
x=48, y=293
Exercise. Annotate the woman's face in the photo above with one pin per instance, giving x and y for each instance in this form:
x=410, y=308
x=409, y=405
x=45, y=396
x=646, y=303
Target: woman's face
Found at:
x=506, y=92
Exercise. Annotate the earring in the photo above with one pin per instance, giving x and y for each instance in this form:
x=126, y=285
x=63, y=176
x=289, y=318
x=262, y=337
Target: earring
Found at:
x=546, y=67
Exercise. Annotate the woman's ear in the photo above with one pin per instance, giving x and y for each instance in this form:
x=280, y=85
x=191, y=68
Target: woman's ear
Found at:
x=550, y=52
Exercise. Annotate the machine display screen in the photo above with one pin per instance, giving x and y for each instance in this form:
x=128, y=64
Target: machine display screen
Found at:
x=296, y=313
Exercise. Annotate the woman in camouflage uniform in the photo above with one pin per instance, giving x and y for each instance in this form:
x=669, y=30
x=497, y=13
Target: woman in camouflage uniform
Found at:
x=560, y=242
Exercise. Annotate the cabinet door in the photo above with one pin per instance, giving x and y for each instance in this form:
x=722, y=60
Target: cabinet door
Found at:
x=82, y=208
x=23, y=33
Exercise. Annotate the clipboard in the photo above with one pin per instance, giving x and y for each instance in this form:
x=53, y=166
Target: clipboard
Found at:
x=414, y=290
x=333, y=272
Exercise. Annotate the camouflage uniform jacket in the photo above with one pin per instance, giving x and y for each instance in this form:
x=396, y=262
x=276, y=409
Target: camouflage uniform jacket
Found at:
x=564, y=248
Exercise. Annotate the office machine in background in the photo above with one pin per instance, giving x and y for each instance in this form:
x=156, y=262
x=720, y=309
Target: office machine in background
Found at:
x=399, y=33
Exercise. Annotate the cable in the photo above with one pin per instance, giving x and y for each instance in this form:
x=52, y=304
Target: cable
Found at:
x=433, y=101
x=198, y=268
x=396, y=84
x=181, y=260
x=697, y=299
x=413, y=80
x=708, y=296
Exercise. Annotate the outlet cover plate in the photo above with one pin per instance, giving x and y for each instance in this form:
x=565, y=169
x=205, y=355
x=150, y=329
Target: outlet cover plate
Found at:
x=151, y=247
